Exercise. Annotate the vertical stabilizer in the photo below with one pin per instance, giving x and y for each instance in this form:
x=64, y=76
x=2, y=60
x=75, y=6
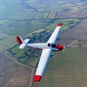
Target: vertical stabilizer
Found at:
x=19, y=40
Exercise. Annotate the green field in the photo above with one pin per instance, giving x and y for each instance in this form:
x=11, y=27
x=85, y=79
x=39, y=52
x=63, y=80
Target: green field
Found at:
x=2, y=35
x=9, y=41
x=3, y=21
x=2, y=48
x=67, y=23
x=36, y=20
x=33, y=62
x=66, y=69
x=28, y=29
x=6, y=41
x=35, y=32
x=16, y=22
x=46, y=15
x=18, y=51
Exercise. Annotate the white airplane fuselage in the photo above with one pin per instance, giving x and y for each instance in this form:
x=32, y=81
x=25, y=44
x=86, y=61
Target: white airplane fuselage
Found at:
x=41, y=46
x=38, y=45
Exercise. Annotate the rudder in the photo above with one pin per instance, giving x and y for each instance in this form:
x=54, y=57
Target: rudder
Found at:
x=19, y=40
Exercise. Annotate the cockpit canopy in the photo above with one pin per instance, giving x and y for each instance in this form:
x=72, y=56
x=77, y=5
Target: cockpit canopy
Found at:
x=60, y=47
x=51, y=45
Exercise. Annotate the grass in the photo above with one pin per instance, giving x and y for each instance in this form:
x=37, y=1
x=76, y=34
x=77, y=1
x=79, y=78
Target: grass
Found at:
x=85, y=9
x=46, y=15
x=2, y=35
x=9, y=41
x=9, y=8
x=52, y=14
x=22, y=60
x=82, y=8
x=21, y=27
x=3, y=21
x=67, y=23
x=39, y=15
x=41, y=9
x=63, y=58
x=3, y=48
x=19, y=52
x=22, y=16
x=33, y=62
x=66, y=69
x=35, y=32
x=32, y=0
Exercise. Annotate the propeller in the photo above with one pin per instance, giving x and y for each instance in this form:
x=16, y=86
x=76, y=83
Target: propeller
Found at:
x=64, y=48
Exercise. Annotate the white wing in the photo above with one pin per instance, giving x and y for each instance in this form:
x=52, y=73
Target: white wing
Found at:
x=53, y=37
x=42, y=63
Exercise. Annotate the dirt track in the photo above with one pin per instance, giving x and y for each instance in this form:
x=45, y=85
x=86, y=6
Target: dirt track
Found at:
x=13, y=74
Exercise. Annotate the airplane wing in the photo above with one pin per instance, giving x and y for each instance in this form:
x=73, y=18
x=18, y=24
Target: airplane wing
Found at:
x=42, y=64
x=53, y=37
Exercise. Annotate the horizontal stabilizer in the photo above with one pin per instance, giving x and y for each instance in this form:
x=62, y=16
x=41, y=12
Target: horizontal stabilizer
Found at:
x=25, y=42
x=19, y=40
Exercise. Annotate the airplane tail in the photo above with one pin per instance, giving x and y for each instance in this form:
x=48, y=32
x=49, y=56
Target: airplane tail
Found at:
x=22, y=42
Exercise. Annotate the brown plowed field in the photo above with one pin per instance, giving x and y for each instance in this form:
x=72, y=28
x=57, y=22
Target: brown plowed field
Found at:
x=71, y=14
x=13, y=74
x=75, y=36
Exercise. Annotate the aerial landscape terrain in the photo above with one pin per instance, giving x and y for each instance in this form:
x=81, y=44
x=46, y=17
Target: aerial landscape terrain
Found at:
x=36, y=20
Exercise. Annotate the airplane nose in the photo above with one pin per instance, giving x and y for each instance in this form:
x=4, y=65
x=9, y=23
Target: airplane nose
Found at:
x=60, y=47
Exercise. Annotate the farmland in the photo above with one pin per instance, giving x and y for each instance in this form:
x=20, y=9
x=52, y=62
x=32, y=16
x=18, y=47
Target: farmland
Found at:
x=13, y=74
x=66, y=70
x=36, y=20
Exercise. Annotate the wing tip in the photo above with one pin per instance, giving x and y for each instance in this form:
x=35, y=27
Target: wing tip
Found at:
x=60, y=24
x=37, y=78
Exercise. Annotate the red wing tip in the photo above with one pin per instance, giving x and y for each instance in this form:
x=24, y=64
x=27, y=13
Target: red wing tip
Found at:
x=37, y=78
x=59, y=24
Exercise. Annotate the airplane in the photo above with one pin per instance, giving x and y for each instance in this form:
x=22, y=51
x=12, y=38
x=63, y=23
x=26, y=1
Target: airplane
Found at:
x=46, y=48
